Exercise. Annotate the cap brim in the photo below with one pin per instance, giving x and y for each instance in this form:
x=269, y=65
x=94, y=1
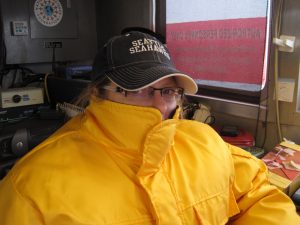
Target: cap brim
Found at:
x=139, y=76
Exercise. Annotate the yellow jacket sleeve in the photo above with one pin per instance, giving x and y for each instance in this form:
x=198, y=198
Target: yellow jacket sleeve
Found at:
x=259, y=201
x=16, y=209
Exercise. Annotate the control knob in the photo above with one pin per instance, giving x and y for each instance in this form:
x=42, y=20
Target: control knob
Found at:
x=16, y=98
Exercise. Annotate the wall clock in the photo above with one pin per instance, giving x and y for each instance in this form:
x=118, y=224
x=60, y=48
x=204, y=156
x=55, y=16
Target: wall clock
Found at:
x=48, y=12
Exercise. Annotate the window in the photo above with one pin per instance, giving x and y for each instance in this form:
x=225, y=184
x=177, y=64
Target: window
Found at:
x=222, y=44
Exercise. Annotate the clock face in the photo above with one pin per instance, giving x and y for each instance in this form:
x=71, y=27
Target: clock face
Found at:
x=48, y=12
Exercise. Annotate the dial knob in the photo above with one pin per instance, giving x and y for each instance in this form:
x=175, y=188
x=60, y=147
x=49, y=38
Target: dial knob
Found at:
x=16, y=98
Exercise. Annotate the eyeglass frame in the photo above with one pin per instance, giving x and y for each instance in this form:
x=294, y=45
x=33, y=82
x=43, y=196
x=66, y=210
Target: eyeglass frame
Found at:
x=178, y=91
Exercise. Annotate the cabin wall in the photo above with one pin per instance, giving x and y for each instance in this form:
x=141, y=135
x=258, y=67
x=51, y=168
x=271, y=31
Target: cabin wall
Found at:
x=114, y=15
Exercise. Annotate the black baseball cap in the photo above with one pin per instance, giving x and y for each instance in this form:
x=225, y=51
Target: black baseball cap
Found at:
x=136, y=60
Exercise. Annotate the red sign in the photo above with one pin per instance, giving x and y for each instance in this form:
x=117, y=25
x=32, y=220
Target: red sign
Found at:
x=221, y=50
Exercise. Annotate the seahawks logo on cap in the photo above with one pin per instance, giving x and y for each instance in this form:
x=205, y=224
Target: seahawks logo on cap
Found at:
x=146, y=44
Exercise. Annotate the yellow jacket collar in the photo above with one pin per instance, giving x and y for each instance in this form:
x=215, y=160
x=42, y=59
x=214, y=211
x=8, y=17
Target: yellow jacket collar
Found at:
x=138, y=131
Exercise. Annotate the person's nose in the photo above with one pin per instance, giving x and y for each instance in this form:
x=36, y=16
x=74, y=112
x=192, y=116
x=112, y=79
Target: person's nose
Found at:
x=159, y=103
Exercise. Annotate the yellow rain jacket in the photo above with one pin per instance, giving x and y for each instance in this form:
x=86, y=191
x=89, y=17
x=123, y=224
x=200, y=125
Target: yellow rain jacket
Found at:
x=120, y=164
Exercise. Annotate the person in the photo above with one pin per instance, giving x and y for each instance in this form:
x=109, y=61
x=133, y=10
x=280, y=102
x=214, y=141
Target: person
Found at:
x=131, y=159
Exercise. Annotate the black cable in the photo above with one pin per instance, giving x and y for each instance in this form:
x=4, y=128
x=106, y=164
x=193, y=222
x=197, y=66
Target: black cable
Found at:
x=190, y=109
x=53, y=60
x=266, y=114
x=25, y=69
x=28, y=76
x=4, y=53
x=266, y=127
x=14, y=79
x=36, y=78
x=212, y=120
x=3, y=73
x=257, y=119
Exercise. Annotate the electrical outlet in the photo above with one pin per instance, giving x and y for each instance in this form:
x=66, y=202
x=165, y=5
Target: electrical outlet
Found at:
x=286, y=88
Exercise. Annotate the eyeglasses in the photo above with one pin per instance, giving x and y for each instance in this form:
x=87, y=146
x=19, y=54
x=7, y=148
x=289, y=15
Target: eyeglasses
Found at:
x=167, y=93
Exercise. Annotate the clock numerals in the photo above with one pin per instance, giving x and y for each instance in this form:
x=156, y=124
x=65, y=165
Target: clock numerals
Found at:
x=48, y=12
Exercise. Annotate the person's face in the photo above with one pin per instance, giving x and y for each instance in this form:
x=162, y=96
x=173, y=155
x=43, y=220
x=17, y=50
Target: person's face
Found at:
x=164, y=105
